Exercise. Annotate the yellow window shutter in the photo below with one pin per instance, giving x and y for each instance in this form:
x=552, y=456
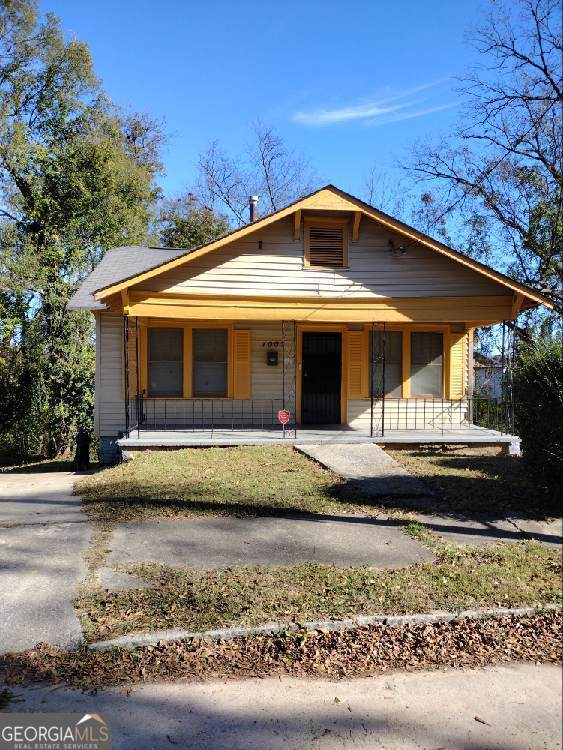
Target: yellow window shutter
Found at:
x=242, y=367
x=357, y=365
x=458, y=344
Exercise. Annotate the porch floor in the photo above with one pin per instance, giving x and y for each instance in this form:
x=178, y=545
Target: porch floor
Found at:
x=463, y=435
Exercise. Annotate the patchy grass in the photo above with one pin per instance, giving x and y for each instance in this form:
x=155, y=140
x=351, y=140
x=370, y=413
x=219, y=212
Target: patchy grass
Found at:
x=257, y=480
x=477, y=481
x=351, y=653
x=526, y=573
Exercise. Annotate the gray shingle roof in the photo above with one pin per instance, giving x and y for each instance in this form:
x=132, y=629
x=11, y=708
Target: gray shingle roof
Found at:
x=116, y=265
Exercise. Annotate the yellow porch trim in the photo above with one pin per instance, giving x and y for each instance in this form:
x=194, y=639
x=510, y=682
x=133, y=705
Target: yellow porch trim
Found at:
x=481, y=310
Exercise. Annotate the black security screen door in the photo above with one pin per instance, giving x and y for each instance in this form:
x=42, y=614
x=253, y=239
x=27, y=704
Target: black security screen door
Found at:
x=321, y=369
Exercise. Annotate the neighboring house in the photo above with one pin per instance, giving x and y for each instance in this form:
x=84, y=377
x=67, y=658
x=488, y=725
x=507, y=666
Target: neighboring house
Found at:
x=488, y=375
x=320, y=308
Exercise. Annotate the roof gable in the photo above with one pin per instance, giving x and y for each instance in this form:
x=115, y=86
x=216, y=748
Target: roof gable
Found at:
x=328, y=198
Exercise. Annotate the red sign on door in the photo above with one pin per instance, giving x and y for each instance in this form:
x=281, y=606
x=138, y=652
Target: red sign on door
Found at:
x=283, y=416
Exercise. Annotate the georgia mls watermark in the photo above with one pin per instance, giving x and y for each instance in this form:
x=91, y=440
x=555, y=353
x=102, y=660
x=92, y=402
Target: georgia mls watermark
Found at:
x=34, y=731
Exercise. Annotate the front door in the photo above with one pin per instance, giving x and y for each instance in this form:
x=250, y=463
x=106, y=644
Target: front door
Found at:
x=321, y=359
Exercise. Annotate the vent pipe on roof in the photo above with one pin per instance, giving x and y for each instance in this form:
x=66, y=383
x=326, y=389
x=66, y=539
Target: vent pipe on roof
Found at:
x=253, y=204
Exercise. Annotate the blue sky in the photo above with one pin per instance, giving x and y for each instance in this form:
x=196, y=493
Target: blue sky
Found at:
x=350, y=85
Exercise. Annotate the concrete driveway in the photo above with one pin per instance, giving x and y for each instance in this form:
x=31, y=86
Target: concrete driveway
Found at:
x=512, y=707
x=43, y=535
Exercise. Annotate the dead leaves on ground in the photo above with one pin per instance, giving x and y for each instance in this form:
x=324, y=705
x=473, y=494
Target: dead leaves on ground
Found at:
x=361, y=651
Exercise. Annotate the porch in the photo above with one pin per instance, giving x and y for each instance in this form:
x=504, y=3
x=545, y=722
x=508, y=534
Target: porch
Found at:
x=172, y=423
x=468, y=434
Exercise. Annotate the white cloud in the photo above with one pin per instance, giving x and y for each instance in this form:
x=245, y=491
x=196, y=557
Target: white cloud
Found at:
x=411, y=115
x=401, y=105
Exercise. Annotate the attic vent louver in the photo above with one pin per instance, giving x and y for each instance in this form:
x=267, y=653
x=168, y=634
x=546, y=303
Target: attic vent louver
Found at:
x=326, y=244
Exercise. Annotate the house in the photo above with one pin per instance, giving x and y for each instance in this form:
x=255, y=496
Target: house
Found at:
x=327, y=310
x=488, y=375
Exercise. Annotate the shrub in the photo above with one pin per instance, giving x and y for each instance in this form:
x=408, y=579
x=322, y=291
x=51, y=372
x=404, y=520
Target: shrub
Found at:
x=538, y=410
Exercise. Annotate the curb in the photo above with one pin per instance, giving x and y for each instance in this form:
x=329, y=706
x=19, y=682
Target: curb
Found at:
x=179, y=634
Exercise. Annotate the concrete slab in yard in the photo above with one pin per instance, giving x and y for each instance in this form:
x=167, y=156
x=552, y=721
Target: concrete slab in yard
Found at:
x=516, y=706
x=207, y=543
x=115, y=580
x=369, y=467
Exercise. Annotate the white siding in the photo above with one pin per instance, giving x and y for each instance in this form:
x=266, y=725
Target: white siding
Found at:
x=409, y=414
x=109, y=408
x=277, y=269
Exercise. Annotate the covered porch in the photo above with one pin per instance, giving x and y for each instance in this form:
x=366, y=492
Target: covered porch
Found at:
x=234, y=382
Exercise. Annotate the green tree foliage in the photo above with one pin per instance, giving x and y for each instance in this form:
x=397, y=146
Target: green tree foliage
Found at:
x=185, y=222
x=76, y=178
x=538, y=401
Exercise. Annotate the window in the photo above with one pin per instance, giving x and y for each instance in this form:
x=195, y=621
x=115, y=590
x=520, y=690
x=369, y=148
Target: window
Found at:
x=393, y=363
x=166, y=362
x=209, y=360
x=426, y=364
x=326, y=244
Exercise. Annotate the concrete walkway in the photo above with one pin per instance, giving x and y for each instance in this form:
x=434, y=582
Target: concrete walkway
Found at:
x=514, y=707
x=43, y=536
x=205, y=543
x=478, y=529
x=368, y=467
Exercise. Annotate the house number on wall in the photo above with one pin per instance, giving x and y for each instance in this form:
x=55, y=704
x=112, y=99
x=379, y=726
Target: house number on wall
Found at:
x=271, y=344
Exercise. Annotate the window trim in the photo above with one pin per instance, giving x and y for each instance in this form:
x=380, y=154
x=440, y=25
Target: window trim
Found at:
x=445, y=363
x=179, y=327
x=228, y=362
x=406, y=330
x=146, y=323
x=312, y=221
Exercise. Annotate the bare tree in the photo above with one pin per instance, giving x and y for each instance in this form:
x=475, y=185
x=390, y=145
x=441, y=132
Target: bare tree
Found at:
x=267, y=169
x=504, y=162
x=384, y=193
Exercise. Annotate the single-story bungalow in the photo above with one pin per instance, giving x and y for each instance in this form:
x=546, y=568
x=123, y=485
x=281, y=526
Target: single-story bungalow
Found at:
x=326, y=315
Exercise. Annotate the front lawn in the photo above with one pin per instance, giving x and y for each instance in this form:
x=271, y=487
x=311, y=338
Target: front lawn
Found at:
x=503, y=575
x=275, y=480
x=478, y=480
x=257, y=480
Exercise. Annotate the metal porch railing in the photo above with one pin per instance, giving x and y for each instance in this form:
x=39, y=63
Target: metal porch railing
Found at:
x=204, y=414
x=387, y=415
x=439, y=415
